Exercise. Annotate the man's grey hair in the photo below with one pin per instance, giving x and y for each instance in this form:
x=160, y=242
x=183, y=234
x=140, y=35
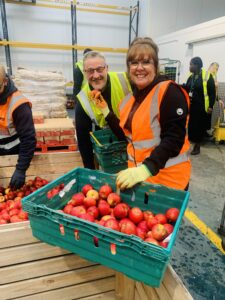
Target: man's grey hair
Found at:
x=93, y=54
x=2, y=73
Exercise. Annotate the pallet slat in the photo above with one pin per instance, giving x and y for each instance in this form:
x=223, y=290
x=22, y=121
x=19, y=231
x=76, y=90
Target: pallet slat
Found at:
x=55, y=281
x=21, y=254
x=42, y=267
x=76, y=291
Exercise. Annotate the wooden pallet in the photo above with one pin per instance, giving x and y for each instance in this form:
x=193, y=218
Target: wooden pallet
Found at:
x=44, y=148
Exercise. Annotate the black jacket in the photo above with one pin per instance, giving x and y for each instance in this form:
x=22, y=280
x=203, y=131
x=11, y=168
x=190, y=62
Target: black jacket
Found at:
x=24, y=125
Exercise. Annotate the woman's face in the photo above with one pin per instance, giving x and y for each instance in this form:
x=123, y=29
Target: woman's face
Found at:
x=142, y=71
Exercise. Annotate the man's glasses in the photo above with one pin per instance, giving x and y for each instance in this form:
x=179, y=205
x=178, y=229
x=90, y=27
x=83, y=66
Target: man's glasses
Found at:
x=144, y=63
x=91, y=71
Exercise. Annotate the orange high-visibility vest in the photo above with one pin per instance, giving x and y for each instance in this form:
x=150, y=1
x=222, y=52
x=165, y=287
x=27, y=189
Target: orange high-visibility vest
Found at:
x=7, y=128
x=145, y=136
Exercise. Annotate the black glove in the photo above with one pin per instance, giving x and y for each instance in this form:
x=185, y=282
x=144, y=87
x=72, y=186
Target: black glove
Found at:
x=18, y=179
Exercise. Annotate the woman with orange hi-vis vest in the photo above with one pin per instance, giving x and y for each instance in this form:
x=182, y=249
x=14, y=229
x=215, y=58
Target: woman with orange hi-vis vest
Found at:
x=17, y=134
x=154, y=120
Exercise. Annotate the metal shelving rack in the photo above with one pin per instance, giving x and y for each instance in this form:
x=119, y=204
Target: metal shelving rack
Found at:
x=132, y=12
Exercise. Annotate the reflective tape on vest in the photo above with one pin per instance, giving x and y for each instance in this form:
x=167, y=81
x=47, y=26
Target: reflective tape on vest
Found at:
x=85, y=101
x=125, y=100
x=177, y=160
x=10, y=145
x=123, y=83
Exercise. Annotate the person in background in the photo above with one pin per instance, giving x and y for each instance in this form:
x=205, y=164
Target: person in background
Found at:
x=17, y=128
x=218, y=107
x=154, y=121
x=201, y=88
x=79, y=78
x=113, y=86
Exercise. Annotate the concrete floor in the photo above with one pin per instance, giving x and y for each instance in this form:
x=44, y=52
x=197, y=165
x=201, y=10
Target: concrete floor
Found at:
x=201, y=265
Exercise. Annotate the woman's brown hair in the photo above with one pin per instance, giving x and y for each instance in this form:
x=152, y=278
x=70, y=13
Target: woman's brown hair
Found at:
x=140, y=47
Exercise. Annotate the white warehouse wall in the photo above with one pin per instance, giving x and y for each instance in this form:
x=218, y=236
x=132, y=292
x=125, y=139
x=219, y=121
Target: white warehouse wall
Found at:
x=53, y=26
x=208, y=43
x=173, y=15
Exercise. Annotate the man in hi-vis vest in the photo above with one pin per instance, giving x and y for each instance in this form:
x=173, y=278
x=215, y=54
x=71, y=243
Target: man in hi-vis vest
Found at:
x=114, y=86
x=17, y=133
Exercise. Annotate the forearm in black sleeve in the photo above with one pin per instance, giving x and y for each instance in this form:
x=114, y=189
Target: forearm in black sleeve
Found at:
x=211, y=89
x=173, y=116
x=23, y=122
x=78, y=79
x=83, y=127
x=113, y=123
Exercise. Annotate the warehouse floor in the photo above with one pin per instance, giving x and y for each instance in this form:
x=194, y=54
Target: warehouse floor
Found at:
x=197, y=257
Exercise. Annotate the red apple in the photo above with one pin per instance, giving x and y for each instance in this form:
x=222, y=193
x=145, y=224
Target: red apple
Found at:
x=23, y=215
x=151, y=222
x=127, y=226
x=149, y=234
x=113, y=224
x=113, y=199
x=169, y=228
x=88, y=202
x=77, y=199
x=78, y=210
x=121, y=210
x=13, y=211
x=159, y=232
x=5, y=216
x=87, y=217
x=2, y=198
x=104, y=191
x=107, y=217
x=2, y=221
x=86, y=188
x=93, y=210
x=141, y=233
x=152, y=241
x=172, y=214
x=104, y=208
x=148, y=214
x=163, y=244
x=20, y=194
x=2, y=205
x=161, y=218
x=92, y=194
x=136, y=215
x=143, y=225
x=15, y=219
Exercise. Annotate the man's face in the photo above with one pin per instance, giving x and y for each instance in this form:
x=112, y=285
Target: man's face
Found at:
x=96, y=72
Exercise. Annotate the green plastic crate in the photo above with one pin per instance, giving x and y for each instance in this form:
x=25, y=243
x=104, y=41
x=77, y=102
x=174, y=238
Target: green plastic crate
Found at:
x=112, y=156
x=137, y=259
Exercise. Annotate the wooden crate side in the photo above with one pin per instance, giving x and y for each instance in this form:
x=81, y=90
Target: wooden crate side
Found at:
x=64, y=288
x=26, y=253
x=42, y=267
x=43, y=158
x=124, y=287
x=175, y=286
x=16, y=234
x=52, y=164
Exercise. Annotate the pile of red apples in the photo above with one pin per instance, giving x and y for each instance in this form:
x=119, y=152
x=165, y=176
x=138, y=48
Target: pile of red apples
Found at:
x=10, y=201
x=105, y=208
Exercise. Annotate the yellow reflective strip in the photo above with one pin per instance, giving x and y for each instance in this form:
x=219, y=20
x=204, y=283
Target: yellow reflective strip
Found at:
x=208, y=232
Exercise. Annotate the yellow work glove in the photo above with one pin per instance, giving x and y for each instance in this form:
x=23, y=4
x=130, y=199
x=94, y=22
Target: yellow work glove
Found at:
x=99, y=101
x=131, y=176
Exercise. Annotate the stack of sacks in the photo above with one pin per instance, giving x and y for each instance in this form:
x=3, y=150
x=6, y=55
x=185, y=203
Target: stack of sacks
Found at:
x=55, y=132
x=46, y=91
